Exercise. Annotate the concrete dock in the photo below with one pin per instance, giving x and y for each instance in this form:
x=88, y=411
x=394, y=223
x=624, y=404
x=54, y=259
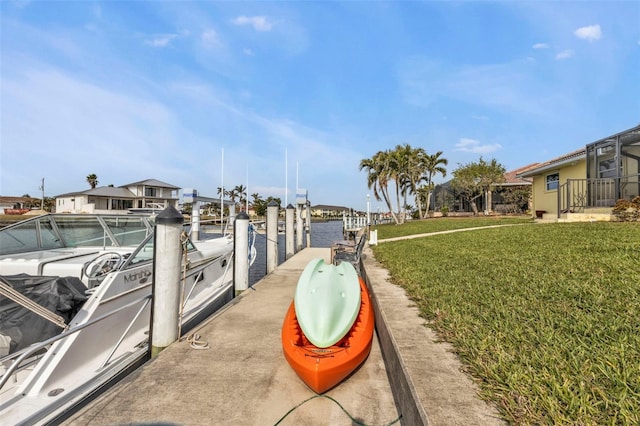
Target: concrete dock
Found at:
x=243, y=378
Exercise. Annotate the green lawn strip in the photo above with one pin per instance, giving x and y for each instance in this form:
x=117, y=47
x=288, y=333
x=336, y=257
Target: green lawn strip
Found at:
x=545, y=317
x=424, y=226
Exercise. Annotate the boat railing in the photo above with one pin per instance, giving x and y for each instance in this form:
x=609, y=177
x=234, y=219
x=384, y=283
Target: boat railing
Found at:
x=19, y=357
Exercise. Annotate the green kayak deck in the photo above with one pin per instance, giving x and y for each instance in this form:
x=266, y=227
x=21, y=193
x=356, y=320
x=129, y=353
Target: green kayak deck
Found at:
x=327, y=301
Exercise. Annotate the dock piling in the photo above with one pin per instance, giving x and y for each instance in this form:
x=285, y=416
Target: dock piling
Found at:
x=289, y=232
x=166, y=273
x=241, y=252
x=272, y=236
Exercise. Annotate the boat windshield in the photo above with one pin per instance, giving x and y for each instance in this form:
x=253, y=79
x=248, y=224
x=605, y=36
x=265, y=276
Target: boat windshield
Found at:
x=61, y=231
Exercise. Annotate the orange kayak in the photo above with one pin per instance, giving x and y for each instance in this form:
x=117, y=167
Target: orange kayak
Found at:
x=323, y=368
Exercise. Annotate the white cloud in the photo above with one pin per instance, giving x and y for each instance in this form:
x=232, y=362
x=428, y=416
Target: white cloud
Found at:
x=540, y=46
x=565, y=54
x=474, y=146
x=259, y=23
x=161, y=40
x=247, y=52
x=210, y=37
x=591, y=32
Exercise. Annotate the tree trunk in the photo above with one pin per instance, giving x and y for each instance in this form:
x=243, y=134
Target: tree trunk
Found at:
x=400, y=218
x=474, y=208
x=388, y=202
x=428, y=203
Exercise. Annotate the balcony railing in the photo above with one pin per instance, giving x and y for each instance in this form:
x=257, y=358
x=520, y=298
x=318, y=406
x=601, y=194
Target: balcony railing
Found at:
x=576, y=195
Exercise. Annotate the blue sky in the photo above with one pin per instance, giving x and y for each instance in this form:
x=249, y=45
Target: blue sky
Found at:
x=132, y=90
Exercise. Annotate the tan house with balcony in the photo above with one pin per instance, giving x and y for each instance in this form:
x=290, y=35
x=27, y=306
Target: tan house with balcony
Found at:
x=144, y=196
x=327, y=211
x=585, y=184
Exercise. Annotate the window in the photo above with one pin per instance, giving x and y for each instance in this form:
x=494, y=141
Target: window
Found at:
x=150, y=192
x=607, y=168
x=121, y=204
x=552, y=181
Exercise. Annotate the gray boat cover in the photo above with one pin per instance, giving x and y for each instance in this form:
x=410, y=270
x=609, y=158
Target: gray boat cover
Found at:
x=61, y=295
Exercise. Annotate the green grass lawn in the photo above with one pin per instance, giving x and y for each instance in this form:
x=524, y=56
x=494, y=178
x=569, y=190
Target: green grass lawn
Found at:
x=546, y=317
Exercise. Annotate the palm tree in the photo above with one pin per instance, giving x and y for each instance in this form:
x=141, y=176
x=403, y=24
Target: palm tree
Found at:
x=407, y=167
x=241, y=192
x=377, y=169
x=224, y=193
x=394, y=169
x=413, y=168
x=398, y=172
x=434, y=165
x=92, y=179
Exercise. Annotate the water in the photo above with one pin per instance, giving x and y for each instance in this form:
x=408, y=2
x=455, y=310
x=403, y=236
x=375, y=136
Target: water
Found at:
x=322, y=235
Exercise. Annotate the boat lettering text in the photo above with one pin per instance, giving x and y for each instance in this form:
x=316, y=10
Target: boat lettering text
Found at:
x=142, y=276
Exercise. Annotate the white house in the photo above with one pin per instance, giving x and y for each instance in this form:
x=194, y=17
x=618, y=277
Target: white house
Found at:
x=143, y=196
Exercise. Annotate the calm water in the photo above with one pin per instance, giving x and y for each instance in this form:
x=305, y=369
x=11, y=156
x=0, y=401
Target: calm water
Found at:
x=322, y=235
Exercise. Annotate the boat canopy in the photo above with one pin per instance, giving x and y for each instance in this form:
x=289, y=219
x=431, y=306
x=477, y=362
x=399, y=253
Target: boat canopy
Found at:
x=63, y=296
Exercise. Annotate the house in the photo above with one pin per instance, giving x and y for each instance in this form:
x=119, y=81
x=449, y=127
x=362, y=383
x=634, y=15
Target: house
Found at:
x=142, y=196
x=327, y=211
x=499, y=200
x=494, y=200
x=18, y=205
x=586, y=183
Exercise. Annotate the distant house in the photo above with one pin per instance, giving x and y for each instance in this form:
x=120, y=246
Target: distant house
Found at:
x=512, y=181
x=492, y=201
x=146, y=195
x=585, y=184
x=327, y=211
x=17, y=205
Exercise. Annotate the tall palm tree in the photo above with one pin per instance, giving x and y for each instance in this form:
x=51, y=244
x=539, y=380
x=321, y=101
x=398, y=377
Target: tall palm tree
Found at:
x=378, y=179
x=223, y=193
x=241, y=192
x=394, y=169
x=398, y=171
x=434, y=164
x=412, y=171
x=92, y=179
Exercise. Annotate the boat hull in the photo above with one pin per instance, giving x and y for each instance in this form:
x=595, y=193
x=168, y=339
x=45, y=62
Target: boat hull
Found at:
x=324, y=368
x=109, y=335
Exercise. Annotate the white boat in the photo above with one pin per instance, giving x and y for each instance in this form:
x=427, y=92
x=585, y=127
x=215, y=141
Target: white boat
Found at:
x=110, y=259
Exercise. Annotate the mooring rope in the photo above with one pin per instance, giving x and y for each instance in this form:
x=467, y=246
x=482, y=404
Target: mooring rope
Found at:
x=196, y=343
x=265, y=237
x=353, y=419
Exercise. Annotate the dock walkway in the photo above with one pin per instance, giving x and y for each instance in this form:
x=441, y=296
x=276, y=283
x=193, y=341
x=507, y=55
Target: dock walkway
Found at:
x=243, y=378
